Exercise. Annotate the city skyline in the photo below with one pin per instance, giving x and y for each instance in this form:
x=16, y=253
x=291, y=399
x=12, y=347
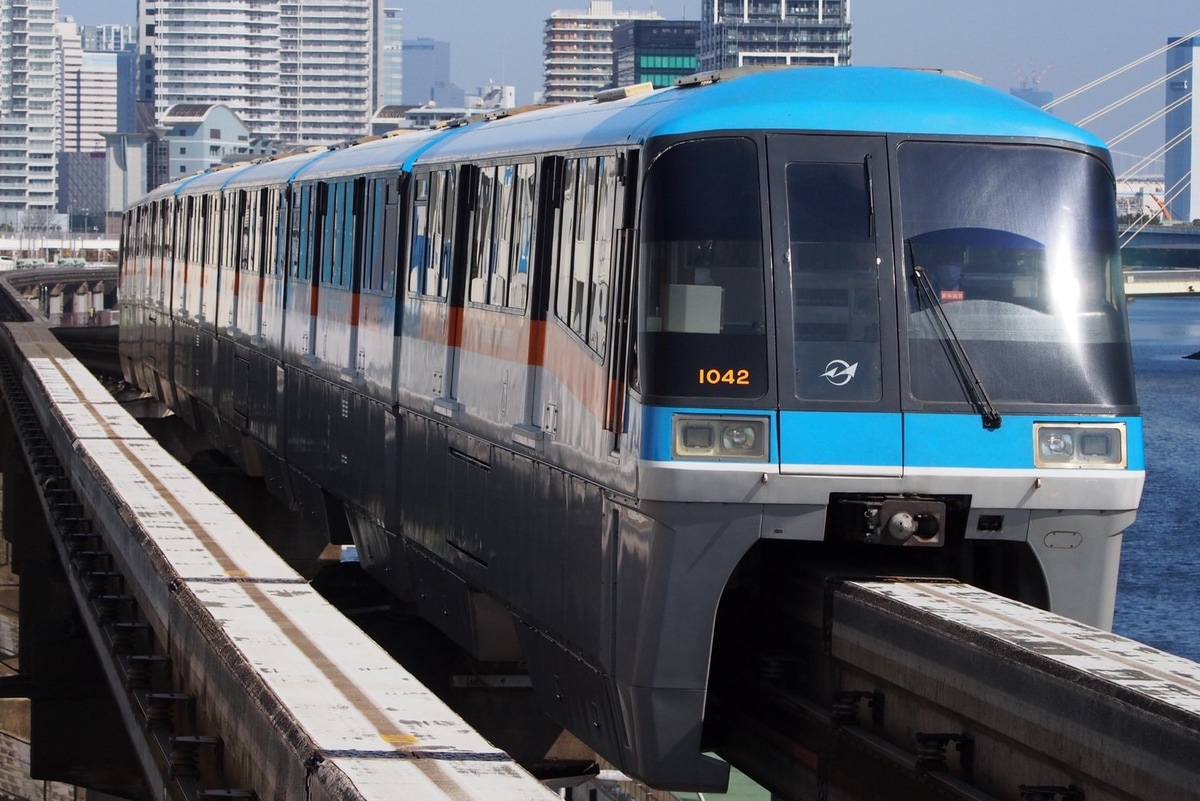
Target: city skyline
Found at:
x=885, y=34
x=1062, y=45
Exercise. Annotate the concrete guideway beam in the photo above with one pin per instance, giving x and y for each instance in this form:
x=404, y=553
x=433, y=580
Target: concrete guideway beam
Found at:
x=295, y=700
x=1043, y=701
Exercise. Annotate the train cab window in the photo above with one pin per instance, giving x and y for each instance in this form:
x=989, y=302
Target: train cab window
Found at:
x=835, y=281
x=1029, y=283
x=704, y=315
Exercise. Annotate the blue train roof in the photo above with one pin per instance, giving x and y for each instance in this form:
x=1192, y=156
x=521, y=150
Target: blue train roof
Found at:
x=843, y=99
x=373, y=156
x=846, y=99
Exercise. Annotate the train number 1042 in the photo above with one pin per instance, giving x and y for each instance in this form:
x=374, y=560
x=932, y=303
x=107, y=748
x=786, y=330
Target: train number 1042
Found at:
x=739, y=378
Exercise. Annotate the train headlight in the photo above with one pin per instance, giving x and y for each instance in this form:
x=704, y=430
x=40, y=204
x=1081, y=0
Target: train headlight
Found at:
x=1087, y=445
x=719, y=438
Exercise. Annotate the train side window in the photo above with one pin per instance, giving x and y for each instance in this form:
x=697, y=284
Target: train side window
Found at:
x=356, y=242
x=584, y=248
x=581, y=270
x=383, y=216
x=346, y=237
x=311, y=198
x=182, y=247
x=481, y=250
x=286, y=240
x=196, y=235
x=297, y=205
x=269, y=222
x=204, y=241
x=338, y=226
x=231, y=219
x=199, y=226
x=419, y=260
x=193, y=223
x=258, y=232
x=523, y=236
x=441, y=229
x=325, y=251
x=212, y=255
x=606, y=212
x=368, y=236
x=249, y=258
x=566, y=239
x=502, y=240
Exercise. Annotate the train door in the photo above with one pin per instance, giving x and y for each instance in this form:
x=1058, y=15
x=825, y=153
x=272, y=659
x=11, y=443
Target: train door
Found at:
x=839, y=407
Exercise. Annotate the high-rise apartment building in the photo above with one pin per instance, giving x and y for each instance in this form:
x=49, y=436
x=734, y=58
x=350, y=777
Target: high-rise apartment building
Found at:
x=391, y=71
x=29, y=111
x=302, y=72
x=109, y=37
x=658, y=52
x=96, y=91
x=1183, y=142
x=70, y=52
x=578, y=49
x=740, y=33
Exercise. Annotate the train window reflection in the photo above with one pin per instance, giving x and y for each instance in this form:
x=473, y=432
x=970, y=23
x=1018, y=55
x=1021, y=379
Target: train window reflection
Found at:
x=429, y=262
x=702, y=258
x=1029, y=281
x=584, y=246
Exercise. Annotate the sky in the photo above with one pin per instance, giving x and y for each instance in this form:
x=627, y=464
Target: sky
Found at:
x=1061, y=44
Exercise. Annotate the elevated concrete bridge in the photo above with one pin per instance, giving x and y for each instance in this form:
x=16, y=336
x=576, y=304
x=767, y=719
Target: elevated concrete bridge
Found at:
x=207, y=663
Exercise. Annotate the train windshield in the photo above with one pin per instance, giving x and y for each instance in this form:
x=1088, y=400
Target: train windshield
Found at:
x=702, y=261
x=1019, y=243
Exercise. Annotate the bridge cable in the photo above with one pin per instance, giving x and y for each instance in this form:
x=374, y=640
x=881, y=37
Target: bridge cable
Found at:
x=1154, y=155
x=1075, y=93
x=1152, y=118
x=1132, y=95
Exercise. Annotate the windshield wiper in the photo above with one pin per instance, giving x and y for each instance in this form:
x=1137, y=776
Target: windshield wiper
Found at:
x=958, y=354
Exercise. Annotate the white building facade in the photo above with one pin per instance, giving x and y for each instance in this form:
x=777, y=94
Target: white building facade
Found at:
x=302, y=72
x=578, y=50
x=744, y=33
x=29, y=111
x=90, y=88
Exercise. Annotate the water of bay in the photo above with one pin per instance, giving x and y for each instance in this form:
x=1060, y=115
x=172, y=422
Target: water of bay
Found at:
x=1158, y=594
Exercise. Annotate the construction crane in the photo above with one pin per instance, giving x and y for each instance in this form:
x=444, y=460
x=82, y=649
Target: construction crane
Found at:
x=1166, y=213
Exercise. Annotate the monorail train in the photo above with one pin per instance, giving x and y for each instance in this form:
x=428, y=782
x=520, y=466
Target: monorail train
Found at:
x=576, y=378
